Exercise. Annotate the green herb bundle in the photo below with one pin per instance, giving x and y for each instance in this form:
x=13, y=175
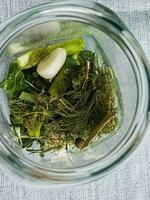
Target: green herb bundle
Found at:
x=78, y=105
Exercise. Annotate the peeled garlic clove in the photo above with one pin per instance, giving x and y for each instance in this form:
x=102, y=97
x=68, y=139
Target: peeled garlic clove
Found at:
x=50, y=66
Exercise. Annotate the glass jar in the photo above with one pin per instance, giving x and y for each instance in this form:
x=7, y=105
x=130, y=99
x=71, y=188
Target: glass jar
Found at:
x=100, y=27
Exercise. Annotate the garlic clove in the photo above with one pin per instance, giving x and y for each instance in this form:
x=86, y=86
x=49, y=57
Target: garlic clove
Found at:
x=50, y=66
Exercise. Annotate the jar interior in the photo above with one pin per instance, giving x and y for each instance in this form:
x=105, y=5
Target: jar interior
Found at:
x=127, y=89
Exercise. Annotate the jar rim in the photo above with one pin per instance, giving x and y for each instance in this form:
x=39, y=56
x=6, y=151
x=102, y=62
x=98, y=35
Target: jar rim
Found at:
x=97, y=12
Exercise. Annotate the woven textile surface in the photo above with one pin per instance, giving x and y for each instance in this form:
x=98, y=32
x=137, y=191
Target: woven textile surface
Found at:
x=131, y=180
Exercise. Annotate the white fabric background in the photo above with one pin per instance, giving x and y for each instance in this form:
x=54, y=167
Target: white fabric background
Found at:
x=131, y=180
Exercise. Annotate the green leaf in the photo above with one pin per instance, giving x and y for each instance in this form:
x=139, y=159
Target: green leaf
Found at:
x=25, y=96
x=36, y=131
x=14, y=82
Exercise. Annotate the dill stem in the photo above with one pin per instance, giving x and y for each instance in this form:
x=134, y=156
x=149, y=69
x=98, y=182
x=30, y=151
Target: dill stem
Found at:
x=98, y=128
